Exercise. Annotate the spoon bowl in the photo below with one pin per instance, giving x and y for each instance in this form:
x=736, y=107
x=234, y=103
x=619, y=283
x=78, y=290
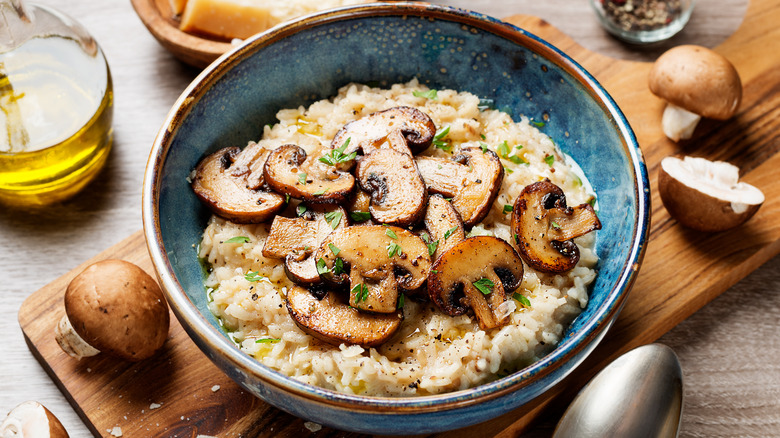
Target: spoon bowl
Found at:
x=640, y=394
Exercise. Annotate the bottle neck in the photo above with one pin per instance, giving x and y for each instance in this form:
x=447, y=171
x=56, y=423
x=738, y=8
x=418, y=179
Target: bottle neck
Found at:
x=16, y=24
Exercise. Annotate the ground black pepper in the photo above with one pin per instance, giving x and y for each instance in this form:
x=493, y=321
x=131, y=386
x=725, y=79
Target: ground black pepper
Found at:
x=640, y=15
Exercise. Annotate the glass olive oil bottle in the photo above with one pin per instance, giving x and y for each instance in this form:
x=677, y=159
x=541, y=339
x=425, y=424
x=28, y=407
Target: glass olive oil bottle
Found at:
x=56, y=106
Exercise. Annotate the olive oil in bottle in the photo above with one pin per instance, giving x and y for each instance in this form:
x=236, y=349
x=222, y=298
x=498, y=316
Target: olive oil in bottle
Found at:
x=56, y=106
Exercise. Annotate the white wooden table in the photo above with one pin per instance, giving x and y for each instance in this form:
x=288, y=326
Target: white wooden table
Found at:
x=729, y=350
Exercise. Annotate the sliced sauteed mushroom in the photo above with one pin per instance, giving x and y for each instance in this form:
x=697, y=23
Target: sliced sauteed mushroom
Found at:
x=359, y=206
x=398, y=194
x=478, y=273
x=296, y=239
x=543, y=226
x=334, y=321
x=288, y=171
x=402, y=128
x=228, y=182
x=472, y=179
x=377, y=261
x=443, y=224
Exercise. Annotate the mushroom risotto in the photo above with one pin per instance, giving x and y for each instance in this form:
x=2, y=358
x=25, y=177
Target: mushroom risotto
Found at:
x=395, y=242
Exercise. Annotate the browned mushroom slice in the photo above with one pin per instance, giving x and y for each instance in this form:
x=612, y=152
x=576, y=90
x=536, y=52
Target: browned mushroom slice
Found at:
x=238, y=198
x=402, y=128
x=443, y=224
x=250, y=163
x=335, y=322
x=472, y=179
x=398, y=194
x=478, y=272
x=287, y=170
x=377, y=261
x=543, y=227
x=296, y=239
x=359, y=207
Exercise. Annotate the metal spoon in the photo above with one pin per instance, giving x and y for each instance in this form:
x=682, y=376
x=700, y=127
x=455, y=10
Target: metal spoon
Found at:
x=640, y=394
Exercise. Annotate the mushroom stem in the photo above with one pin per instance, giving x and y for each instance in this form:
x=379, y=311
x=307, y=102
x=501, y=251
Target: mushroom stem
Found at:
x=678, y=123
x=71, y=342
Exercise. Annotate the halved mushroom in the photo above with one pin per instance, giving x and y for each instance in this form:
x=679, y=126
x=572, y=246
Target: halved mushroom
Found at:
x=335, y=322
x=296, y=239
x=235, y=192
x=405, y=129
x=544, y=226
x=706, y=195
x=377, y=261
x=398, y=194
x=288, y=171
x=32, y=420
x=477, y=273
x=472, y=179
x=443, y=224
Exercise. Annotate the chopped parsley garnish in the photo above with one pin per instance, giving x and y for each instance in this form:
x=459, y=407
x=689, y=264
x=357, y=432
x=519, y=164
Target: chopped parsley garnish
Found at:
x=253, y=276
x=517, y=238
x=485, y=104
x=267, y=340
x=449, y=232
x=484, y=285
x=521, y=299
x=337, y=155
x=287, y=198
x=503, y=149
x=508, y=208
x=360, y=216
x=555, y=225
x=401, y=301
x=503, y=152
x=517, y=160
x=391, y=234
x=549, y=159
x=439, y=142
x=334, y=249
x=338, y=266
x=361, y=292
x=508, y=170
x=483, y=146
x=333, y=218
x=320, y=192
x=393, y=249
x=592, y=201
x=238, y=239
x=430, y=94
x=432, y=247
x=302, y=178
x=537, y=124
x=300, y=209
x=322, y=267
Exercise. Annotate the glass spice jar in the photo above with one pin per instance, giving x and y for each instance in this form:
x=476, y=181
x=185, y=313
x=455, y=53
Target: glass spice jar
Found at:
x=643, y=21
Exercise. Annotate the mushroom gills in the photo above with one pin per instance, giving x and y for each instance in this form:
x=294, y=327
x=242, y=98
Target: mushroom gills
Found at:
x=334, y=321
x=484, y=269
x=472, y=179
x=235, y=193
x=289, y=170
x=544, y=226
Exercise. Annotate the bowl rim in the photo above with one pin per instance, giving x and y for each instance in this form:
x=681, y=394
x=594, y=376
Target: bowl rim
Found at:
x=195, y=323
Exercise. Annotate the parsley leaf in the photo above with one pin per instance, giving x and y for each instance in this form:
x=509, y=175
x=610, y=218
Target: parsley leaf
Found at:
x=484, y=285
x=503, y=149
x=517, y=160
x=483, y=146
x=267, y=340
x=449, y=232
x=391, y=234
x=439, y=142
x=430, y=94
x=334, y=249
x=361, y=292
x=432, y=247
x=302, y=178
x=253, y=276
x=238, y=239
x=360, y=216
x=337, y=155
x=549, y=159
x=393, y=249
x=401, y=301
x=508, y=208
x=320, y=192
x=555, y=225
x=522, y=299
x=338, y=266
x=322, y=268
x=300, y=209
x=537, y=124
x=333, y=218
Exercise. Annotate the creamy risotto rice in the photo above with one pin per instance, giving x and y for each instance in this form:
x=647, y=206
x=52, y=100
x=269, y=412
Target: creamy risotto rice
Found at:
x=432, y=352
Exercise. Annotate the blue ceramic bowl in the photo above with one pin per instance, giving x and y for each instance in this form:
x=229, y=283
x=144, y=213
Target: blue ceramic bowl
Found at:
x=308, y=60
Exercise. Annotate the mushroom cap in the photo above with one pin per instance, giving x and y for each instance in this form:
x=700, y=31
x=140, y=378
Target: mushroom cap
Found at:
x=289, y=171
x=706, y=195
x=119, y=309
x=32, y=420
x=402, y=128
x=697, y=79
x=230, y=185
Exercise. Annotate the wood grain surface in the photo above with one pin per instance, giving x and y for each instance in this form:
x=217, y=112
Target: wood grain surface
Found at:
x=728, y=349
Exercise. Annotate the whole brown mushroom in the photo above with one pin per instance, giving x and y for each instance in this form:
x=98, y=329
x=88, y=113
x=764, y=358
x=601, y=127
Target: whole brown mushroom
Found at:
x=695, y=82
x=115, y=307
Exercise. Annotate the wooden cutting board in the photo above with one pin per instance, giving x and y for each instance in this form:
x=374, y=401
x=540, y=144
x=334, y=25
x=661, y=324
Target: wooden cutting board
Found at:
x=180, y=393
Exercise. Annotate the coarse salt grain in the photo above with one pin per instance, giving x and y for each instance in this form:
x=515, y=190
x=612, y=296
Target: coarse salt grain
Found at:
x=154, y=405
x=215, y=388
x=116, y=431
x=312, y=426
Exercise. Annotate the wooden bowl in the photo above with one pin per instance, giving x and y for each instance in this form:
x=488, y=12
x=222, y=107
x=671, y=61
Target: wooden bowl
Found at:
x=195, y=50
